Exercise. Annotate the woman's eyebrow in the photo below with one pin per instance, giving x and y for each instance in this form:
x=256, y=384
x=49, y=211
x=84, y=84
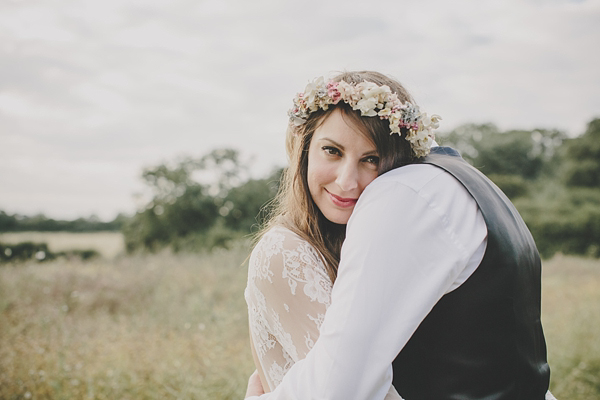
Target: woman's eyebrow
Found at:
x=372, y=152
x=333, y=142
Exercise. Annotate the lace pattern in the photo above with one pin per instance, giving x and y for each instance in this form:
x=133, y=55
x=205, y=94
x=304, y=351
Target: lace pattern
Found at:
x=288, y=292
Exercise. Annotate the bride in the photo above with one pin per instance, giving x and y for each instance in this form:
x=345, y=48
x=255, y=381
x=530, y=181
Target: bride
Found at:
x=333, y=156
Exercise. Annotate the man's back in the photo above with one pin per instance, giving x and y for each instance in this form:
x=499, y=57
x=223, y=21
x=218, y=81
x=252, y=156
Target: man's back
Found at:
x=484, y=339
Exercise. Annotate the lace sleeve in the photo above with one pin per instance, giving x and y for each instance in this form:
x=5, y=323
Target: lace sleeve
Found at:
x=288, y=293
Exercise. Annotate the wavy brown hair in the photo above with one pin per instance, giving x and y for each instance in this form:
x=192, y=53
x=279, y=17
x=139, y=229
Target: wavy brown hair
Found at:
x=294, y=208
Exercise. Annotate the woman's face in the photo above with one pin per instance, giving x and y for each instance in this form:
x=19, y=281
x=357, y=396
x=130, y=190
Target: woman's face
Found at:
x=341, y=163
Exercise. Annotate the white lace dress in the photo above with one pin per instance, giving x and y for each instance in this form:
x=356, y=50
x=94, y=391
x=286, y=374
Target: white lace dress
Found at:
x=288, y=293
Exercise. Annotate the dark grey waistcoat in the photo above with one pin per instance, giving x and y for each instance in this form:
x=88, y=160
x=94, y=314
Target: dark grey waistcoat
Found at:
x=483, y=340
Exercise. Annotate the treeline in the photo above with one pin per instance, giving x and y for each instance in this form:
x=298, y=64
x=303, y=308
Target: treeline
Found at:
x=40, y=252
x=554, y=181
x=40, y=223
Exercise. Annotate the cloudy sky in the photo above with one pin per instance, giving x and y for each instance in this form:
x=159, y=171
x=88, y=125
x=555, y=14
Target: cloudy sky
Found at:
x=91, y=91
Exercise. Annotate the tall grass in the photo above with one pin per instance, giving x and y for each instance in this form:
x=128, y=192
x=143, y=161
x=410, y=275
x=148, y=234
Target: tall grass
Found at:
x=571, y=320
x=152, y=327
x=175, y=327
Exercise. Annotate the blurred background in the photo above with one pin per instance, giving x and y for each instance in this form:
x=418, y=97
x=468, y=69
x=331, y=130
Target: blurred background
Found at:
x=140, y=139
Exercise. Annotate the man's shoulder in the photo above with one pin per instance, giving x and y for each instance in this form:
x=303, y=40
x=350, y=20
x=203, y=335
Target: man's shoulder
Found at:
x=413, y=176
x=416, y=183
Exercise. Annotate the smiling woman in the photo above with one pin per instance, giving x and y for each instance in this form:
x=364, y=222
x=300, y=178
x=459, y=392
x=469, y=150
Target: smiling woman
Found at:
x=334, y=154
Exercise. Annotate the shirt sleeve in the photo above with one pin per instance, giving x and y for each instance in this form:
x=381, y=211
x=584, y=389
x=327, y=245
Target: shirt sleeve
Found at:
x=407, y=244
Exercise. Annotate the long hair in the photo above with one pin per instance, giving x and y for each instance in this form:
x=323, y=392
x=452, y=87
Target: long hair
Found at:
x=294, y=208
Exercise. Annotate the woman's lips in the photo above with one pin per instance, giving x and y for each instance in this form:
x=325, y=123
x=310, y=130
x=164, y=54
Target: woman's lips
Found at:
x=341, y=201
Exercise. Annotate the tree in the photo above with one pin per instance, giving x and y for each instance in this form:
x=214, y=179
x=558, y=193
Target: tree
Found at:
x=512, y=159
x=583, y=158
x=515, y=152
x=39, y=222
x=242, y=205
x=198, y=203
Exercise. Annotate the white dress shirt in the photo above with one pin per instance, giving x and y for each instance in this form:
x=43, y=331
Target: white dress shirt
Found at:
x=415, y=235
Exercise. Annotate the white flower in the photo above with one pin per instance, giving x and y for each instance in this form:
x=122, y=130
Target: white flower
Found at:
x=430, y=122
x=346, y=90
x=312, y=89
x=370, y=89
x=367, y=107
x=385, y=113
x=435, y=121
x=297, y=121
x=395, y=118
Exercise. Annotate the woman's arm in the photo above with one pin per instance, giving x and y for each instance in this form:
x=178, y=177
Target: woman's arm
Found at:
x=259, y=371
x=288, y=293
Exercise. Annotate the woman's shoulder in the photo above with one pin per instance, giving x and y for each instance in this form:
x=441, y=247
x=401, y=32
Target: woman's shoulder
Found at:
x=279, y=237
x=282, y=230
x=280, y=248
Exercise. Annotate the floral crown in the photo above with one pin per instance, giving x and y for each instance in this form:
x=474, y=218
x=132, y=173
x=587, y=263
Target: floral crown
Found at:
x=372, y=100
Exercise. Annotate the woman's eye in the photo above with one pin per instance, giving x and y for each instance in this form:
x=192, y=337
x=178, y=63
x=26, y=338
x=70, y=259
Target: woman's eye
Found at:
x=372, y=160
x=331, y=150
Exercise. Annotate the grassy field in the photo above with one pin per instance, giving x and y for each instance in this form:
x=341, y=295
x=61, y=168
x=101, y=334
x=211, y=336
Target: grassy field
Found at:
x=571, y=319
x=174, y=327
x=153, y=327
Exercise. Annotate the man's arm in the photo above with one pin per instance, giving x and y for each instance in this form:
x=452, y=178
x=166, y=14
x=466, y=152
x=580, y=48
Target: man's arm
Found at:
x=407, y=244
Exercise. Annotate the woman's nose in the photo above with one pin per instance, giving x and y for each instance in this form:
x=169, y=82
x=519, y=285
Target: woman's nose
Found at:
x=347, y=177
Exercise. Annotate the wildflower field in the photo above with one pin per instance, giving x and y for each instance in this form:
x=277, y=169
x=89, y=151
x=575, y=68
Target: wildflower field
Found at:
x=174, y=326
